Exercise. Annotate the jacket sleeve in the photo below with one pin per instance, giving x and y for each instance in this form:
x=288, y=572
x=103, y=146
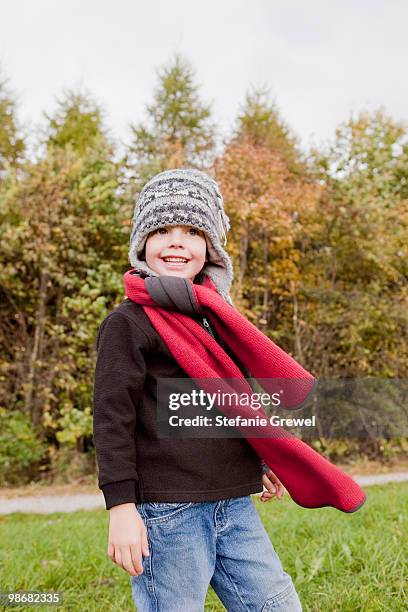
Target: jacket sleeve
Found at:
x=118, y=385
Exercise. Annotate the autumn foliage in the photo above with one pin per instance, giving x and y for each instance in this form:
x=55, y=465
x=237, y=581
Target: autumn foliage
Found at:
x=319, y=245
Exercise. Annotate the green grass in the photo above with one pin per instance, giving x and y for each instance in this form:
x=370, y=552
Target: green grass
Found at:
x=338, y=562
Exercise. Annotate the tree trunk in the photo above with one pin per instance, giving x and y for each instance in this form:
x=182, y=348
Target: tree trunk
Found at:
x=265, y=305
x=243, y=253
x=29, y=403
x=296, y=325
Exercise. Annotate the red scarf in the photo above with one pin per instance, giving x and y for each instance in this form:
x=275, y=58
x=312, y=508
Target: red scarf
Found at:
x=311, y=480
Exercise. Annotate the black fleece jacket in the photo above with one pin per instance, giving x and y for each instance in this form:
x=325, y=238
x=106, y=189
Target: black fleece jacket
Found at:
x=134, y=463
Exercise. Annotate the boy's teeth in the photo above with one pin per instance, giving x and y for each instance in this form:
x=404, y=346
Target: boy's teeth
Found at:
x=175, y=259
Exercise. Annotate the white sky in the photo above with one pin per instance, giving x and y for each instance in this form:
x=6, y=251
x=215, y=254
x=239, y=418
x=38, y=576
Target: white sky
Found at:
x=321, y=59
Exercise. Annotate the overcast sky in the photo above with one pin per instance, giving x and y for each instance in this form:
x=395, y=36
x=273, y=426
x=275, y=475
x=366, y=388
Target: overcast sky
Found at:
x=321, y=59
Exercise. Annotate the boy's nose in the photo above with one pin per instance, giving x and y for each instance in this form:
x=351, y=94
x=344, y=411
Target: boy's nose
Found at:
x=175, y=243
x=175, y=239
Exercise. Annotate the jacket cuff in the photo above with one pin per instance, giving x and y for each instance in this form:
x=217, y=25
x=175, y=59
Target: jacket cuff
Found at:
x=121, y=492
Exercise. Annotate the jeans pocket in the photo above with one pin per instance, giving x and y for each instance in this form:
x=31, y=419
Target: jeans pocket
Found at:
x=159, y=512
x=165, y=505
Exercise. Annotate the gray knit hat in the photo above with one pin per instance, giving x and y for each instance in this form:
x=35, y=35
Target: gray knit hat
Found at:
x=184, y=196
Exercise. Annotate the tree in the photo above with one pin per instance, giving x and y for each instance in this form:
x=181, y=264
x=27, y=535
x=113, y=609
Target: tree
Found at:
x=11, y=142
x=359, y=252
x=77, y=122
x=269, y=210
x=368, y=158
x=261, y=124
x=63, y=245
x=271, y=199
x=178, y=131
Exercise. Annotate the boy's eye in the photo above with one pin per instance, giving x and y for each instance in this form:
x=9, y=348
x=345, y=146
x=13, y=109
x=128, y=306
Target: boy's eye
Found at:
x=164, y=230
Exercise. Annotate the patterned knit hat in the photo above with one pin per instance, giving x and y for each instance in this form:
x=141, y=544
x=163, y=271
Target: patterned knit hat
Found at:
x=184, y=197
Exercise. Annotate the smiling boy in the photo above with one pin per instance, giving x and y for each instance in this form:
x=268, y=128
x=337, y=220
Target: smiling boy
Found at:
x=181, y=515
x=176, y=251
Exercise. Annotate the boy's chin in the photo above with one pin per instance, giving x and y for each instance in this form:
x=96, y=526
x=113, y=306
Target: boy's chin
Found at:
x=179, y=273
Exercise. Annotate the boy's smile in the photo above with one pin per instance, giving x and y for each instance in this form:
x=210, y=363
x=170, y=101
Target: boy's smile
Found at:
x=176, y=250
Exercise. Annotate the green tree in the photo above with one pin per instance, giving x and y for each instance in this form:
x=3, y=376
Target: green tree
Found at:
x=63, y=253
x=368, y=158
x=178, y=130
x=11, y=141
x=357, y=263
x=260, y=123
x=77, y=122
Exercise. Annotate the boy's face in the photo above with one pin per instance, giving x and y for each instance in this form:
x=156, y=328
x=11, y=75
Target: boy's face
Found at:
x=184, y=242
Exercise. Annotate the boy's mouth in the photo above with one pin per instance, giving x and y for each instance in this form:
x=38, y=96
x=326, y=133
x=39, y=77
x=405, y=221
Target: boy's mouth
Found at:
x=175, y=261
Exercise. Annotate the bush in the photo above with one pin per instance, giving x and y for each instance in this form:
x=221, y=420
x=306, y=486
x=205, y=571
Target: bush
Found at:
x=69, y=465
x=21, y=451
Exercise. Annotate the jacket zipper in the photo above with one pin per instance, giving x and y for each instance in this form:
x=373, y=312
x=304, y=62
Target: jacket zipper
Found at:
x=243, y=369
x=207, y=325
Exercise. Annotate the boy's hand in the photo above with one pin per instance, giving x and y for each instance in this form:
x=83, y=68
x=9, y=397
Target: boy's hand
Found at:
x=274, y=487
x=127, y=540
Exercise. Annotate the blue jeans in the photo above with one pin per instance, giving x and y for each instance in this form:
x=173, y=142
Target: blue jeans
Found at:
x=222, y=543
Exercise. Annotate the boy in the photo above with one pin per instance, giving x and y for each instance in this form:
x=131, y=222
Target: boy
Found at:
x=181, y=515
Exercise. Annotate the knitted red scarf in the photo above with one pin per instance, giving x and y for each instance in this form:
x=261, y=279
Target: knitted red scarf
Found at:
x=311, y=480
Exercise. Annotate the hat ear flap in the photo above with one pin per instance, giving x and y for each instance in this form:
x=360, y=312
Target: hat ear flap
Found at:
x=222, y=218
x=221, y=227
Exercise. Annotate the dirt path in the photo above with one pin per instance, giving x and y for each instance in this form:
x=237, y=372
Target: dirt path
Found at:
x=63, y=499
